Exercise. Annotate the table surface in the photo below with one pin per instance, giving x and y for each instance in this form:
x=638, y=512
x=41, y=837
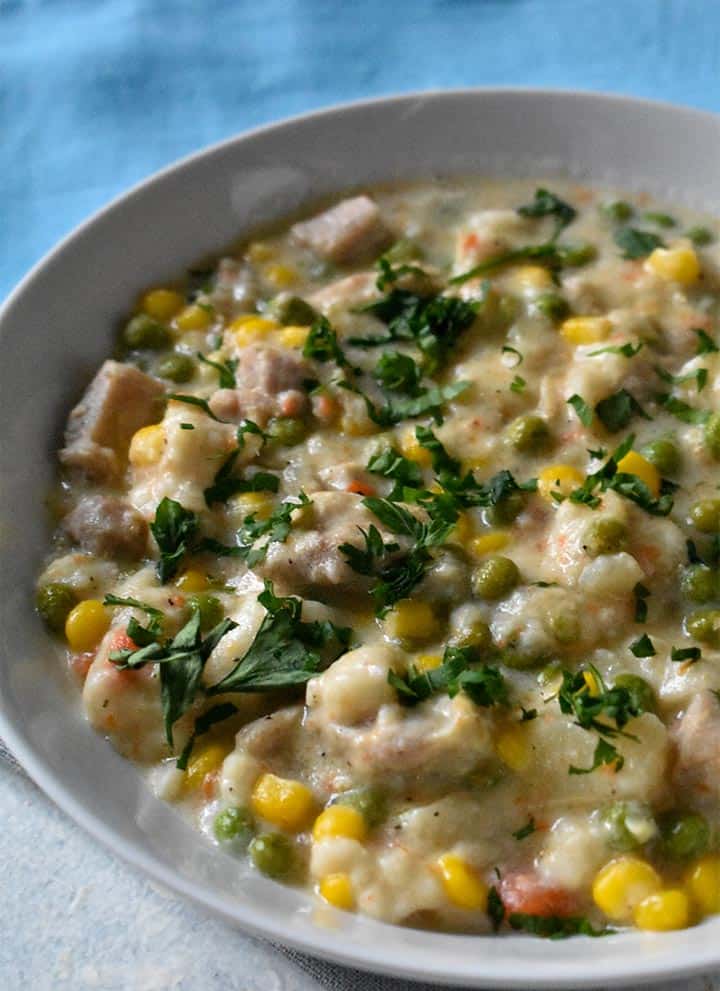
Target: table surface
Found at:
x=97, y=94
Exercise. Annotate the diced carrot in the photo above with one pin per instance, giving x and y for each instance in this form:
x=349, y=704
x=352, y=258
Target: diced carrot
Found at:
x=292, y=403
x=121, y=641
x=361, y=488
x=208, y=784
x=469, y=243
x=325, y=407
x=527, y=894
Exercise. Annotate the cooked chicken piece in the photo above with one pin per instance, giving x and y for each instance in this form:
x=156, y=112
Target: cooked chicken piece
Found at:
x=349, y=232
x=698, y=747
x=270, y=734
x=107, y=527
x=234, y=288
x=268, y=382
x=118, y=401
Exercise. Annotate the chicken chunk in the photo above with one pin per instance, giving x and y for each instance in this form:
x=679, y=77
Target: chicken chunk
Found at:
x=697, y=739
x=310, y=561
x=118, y=401
x=268, y=382
x=349, y=232
x=107, y=527
x=353, y=713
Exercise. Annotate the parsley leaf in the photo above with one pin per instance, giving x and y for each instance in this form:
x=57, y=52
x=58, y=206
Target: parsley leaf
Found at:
x=706, y=345
x=398, y=372
x=627, y=350
x=140, y=634
x=322, y=344
x=391, y=464
x=495, y=908
x=195, y=401
x=682, y=411
x=554, y=926
x=203, y=724
x=225, y=370
x=641, y=610
x=549, y=253
x=286, y=651
x=643, y=647
x=173, y=528
x=546, y=204
x=250, y=546
x=685, y=654
x=636, y=243
x=605, y=753
x=388, y=274
x=518, y=384
x=617, y=410
x=527, y=830
x=625, y=484
x=484, y=685
x=699, y=376
x=584, y=412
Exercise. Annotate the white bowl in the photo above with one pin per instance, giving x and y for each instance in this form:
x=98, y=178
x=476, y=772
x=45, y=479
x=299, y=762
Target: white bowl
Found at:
x=57, y=327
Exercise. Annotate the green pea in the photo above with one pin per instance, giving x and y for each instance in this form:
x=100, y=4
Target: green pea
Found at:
x=176, y=367
x=143, y=333
x=210, y=609
x=234, y=825
x=699, y=583
x=370, y=802
x=497, y=311
x=529, y=434
x=506, y=510
x=287, y=431
x=621, y=821
x=664, y=454
x=273, y=854
x=475, y=634
x=641, y=692
x=618, y=211
x=573, y=256
x=705, y=515
x=606, y=535
x=712, y=435
x=404, y=250
x=522, y=660
x=563, y=625
x=684, y=835
x=292, y=310
x=495, y=578
x=54, y=602
x=704, y=625
x=553, y=306
x=700, y=236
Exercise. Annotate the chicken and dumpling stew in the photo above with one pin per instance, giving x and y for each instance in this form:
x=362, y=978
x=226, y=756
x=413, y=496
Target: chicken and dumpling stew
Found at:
x=389, y=546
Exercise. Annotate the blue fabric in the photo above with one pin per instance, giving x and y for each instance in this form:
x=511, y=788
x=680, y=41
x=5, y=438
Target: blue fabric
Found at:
x=97, y=94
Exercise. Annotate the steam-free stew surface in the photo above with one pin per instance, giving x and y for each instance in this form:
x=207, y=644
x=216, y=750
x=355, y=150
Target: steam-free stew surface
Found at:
x=389, y=546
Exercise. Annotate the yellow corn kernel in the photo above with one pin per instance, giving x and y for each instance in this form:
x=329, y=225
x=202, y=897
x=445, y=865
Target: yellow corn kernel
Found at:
x=428, y=662
x=591, y=681
x=411, y=449
x=86, y=625
x=511, y=746
x=488, y=543
x=285, y=803
x=193, y=317
x=192, y=581
x=146, y=446
x=622, y=884
x=249, y=328
x=532, y=277
x=461, y=884
x=462, y=532
x=560, y=479
x=678, y=264
x=340, y=820
x=337, y=889
x=412, y=620
x=162, y=304
x=203, y=763
x=703, y=884
x=635, y=464
x=280, y=276
x=248, y=503
x=294, y=337
x=259, y=251
x=585, y=330
x=663, y=911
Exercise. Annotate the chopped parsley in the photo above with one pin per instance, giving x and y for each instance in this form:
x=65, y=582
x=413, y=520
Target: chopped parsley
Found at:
x=682, y=411
x=194, y=401
x=636, y=243
x=547, y=204
x=584, y=412
x=555, y=926
x=173, y=528
x=527, y=830
x=629, y=486
x=617, y=410
x=706, y=345
x=691, y=654
x=518, y=384
x=699, y=376
x=226, y=484
x=514, y=351
x=641, y=594
x=485, y=685
x=404, y=472
x=643, y=647
x=225, y=369
x=255, y=536
x=627, y=350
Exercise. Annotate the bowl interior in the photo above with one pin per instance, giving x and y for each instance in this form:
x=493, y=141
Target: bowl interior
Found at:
x=58, y=326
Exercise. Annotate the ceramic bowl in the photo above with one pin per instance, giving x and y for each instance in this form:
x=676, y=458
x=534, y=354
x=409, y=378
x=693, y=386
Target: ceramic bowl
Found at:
x=58, y=326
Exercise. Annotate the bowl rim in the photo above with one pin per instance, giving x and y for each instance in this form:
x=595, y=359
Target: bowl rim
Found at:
x=257, y=920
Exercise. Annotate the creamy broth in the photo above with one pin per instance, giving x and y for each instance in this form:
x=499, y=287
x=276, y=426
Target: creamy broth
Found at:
x=408, y=519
